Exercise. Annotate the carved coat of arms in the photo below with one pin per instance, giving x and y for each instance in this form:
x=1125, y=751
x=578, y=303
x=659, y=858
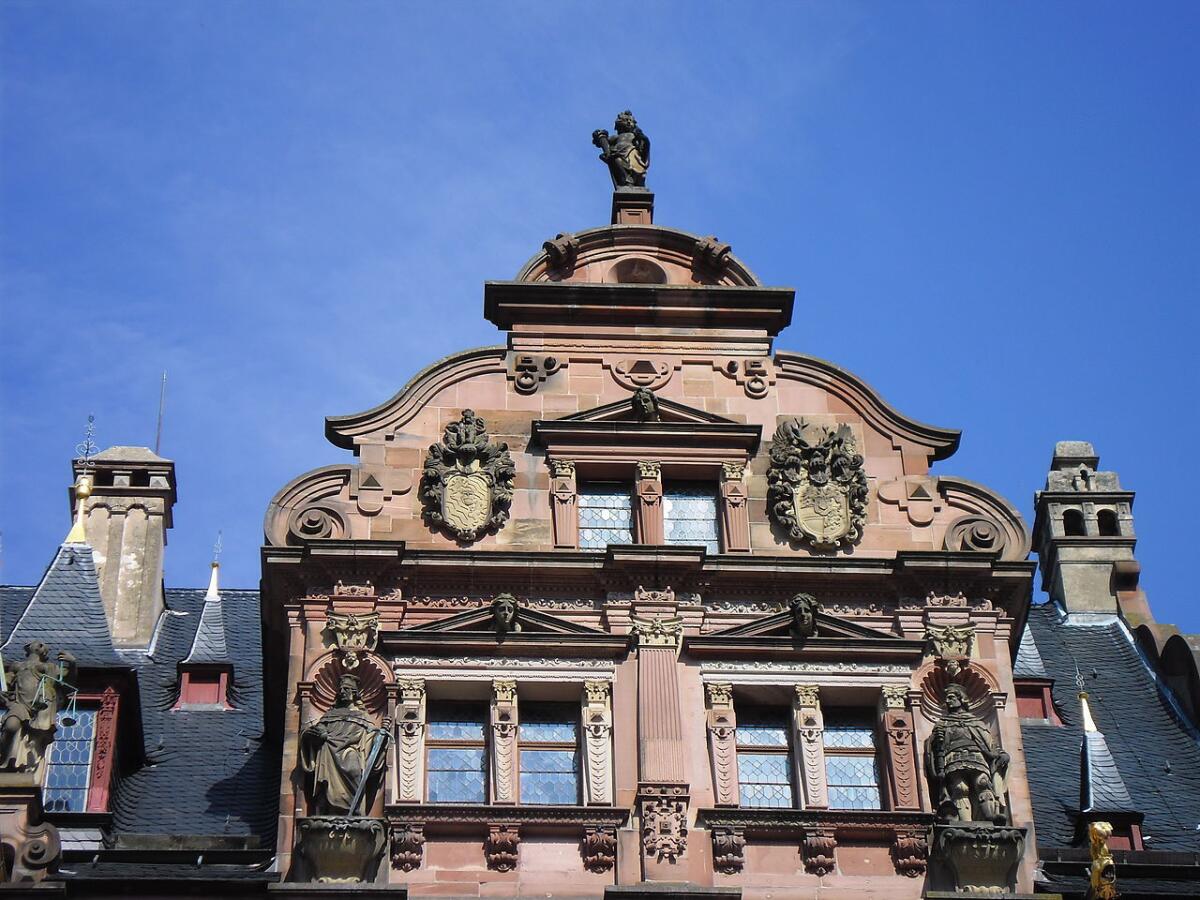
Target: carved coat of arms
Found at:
x=467, y=484
x=816, y=486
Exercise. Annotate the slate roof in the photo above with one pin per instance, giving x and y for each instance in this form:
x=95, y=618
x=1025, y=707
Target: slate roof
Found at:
x=1029, y=661
x=1102, y=789
x=66, y=612
x=208, y=771
x=210, y=646
x=1155, y=751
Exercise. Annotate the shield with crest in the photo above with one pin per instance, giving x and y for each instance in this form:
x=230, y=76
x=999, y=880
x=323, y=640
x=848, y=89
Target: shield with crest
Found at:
x=467, y=483
x=816, y=486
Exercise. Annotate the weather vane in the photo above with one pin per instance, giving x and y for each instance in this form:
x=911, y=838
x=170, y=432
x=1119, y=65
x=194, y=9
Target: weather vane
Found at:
x=87, y=447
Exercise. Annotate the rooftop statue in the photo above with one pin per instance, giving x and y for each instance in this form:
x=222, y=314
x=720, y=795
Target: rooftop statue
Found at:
x=966, y=768
x=627, y=152
x=343, y=754
x=37, y=690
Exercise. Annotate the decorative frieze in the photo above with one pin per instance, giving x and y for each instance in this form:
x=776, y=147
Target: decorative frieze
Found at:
x=810, y=745
x=501, y=846
x=504, y=741
x=408, y=843
x=597, y=736
x=410, y=742
x=722, y=743
x=599, y=848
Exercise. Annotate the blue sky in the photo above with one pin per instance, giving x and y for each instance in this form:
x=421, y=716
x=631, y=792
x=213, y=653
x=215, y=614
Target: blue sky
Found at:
x=990, y=212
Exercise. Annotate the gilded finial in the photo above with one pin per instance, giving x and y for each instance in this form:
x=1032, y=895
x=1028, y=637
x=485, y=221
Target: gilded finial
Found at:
x=83, y=483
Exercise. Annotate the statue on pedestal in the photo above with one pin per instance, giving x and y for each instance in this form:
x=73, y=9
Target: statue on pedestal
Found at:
x=343, y=754
x=37, y=690
x=965, y=767
x=627, y=152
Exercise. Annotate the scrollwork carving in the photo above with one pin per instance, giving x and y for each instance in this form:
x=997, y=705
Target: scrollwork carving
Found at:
x=599, y=848
x=316, y=523
x=729, y=847
x=664, y=821
x=501, y=847
x=977, y=534
x=408, y=843
x=467, y=484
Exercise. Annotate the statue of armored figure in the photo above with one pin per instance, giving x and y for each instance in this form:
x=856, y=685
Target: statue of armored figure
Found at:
x=343, y=754
x=627, y=152
x=37, y=689
x=965, y=767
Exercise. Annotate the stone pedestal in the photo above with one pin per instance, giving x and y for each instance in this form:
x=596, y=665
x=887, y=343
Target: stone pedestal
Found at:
x=32, y=844
x=976, y=858
x=340, y=849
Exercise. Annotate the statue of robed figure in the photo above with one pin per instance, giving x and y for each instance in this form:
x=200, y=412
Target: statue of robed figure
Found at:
x=627, y=152
x=343, y=755
x=965, y=767
x=37, y=688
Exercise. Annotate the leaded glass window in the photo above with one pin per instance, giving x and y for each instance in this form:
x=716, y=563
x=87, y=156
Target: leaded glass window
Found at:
x=851, y=772
x=605, y=514
x=549, y=747
x=763, y=759
x=690, y=515
x=455, y=753
x=69, y=765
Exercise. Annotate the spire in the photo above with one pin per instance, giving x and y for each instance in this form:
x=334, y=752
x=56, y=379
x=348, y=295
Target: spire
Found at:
x=1102, y=791
x=209, y=646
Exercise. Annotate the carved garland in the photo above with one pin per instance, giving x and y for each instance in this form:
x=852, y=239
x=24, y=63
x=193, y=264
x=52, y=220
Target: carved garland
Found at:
x=467, y=485
x=816, y=485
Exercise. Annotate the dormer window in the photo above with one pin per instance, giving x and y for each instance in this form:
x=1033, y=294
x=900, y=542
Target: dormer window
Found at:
x=204, y=687
x=69, y=762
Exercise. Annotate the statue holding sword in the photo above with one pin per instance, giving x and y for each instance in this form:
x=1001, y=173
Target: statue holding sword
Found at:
x=342, y=754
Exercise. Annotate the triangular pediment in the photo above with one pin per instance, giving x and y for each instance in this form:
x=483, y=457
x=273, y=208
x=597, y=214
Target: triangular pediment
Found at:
x=828, y=626
x=482, y=619
x=668, y=411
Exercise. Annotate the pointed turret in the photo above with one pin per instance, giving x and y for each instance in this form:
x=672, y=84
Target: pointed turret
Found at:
x=209, y=646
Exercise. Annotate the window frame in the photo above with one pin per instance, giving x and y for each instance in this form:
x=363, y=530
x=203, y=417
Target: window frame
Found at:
x=786, y=751
x=630, y=487
x=712, y=490
x=830, y=717
x=482, y=744
x=90, y=767
x=575, y=747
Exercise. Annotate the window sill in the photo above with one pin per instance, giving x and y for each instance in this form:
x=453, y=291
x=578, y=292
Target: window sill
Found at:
x=794, y=822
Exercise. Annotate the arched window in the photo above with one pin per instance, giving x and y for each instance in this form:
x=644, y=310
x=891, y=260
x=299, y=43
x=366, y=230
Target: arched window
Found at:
x=1107, y=520
x=1073, y=523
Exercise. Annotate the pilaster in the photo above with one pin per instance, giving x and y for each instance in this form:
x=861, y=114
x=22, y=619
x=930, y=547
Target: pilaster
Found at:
x=410, y=740
x=649, y=503
x=504, y=742
x=722, y=743
x=809, y=740
x=564, y=503
x=735, y=515
x=597, y=736
x=901, y=754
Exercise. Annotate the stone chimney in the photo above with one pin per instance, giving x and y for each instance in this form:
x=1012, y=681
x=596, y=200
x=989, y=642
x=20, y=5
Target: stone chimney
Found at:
x=125, y=520
x=1083, y=532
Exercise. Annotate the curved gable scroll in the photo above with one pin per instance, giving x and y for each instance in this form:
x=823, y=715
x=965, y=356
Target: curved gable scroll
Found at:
x=394, y=413
x=937, y=443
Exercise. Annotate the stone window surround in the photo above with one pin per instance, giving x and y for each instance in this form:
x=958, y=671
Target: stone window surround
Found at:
x=646, y=474
x=503, y=687
x=808, y=766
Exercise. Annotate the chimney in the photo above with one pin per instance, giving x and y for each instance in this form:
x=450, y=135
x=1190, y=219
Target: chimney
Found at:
x=125, y=520
x=1083, y=532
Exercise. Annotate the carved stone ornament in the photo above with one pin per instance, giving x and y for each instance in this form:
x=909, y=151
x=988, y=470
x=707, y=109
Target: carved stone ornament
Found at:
x=632, y=374
x=729, y=848
x=710, y=256
x=353, y=635
x=527, y=371
x=38, y=687
x=627, y=152
x=808, y=695
x=965, y=766
x=950, y=641
x=911, y=851
x=561, y=253
x=664, y=821
x=720, y=695
x=340, y=849
x=645, y=406
x=978, y=859
x=976, y=534
x=658, y=632
x=467, y=484
x=343, y=754
x=895, y=696
x=818, y=850
x=816, y=486
x=804, y=615
x=316, y=522
x=599, y=848
x=505, y=614
x=408, y=842
x=500, y=848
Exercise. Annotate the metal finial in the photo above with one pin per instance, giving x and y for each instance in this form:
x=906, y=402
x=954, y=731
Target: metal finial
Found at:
x=217, y=548
x=1079, y=682
x=87, y=447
